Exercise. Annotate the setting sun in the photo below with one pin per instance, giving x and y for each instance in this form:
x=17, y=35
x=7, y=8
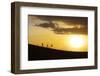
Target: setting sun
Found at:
x=77, y=41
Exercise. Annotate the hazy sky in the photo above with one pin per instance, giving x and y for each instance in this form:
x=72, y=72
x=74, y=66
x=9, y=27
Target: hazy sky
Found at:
x=57, y=31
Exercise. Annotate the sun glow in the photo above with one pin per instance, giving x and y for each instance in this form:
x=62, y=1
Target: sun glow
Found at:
x=77, y=43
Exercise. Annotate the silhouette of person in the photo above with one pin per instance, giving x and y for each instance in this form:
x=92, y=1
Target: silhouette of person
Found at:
x=47, y=45
x=42, y=44
x=51, y=45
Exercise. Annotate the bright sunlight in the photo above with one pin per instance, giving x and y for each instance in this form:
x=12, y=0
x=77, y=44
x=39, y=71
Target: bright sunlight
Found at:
x=77, y=42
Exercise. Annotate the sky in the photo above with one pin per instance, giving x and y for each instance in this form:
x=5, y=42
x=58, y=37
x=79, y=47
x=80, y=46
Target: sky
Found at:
x=60, y=32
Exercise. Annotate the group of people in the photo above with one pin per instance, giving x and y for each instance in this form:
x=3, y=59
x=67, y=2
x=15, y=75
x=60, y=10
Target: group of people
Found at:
x=47, y=45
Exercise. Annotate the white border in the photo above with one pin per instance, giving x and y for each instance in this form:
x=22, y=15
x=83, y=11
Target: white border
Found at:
x=25, y=64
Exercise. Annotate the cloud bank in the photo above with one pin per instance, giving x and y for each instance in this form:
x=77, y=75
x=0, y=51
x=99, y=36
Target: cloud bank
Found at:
x=60, y=25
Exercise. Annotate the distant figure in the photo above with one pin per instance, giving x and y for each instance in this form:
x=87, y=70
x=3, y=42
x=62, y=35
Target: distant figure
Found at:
x=47, y=45
x=51, y=45
x=42, y=44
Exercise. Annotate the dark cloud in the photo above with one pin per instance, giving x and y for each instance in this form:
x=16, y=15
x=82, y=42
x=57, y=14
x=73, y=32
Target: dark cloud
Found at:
x=71, y=31
x=75, y=24
x=47, y=25
x=67, y=20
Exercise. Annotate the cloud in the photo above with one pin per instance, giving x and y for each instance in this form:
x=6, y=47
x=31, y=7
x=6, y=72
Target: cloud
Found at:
x=79, y=29
x=47, y=25
x=61, y=25
x=70, y=31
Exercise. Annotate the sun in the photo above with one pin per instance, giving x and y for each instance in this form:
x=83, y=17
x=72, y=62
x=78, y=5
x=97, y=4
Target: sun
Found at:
x=77, y=41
